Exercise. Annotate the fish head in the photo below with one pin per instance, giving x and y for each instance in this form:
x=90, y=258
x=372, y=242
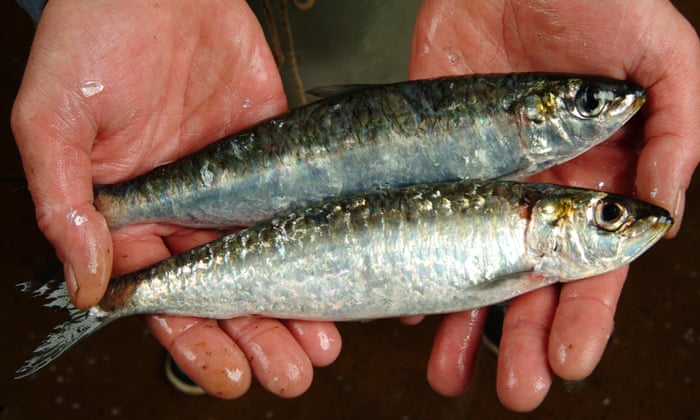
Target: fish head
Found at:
x=581, y=233
x=561, y=117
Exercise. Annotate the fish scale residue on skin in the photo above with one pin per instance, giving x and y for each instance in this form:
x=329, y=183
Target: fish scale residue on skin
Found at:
x=430, y=248
x=456, y=128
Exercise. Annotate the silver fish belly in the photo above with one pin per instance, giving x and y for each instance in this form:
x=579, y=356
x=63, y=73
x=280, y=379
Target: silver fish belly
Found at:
x=458, y=128
x=419, y=250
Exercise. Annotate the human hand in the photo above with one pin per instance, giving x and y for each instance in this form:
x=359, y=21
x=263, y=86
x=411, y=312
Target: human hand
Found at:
x=565, y=329
x=113, y=89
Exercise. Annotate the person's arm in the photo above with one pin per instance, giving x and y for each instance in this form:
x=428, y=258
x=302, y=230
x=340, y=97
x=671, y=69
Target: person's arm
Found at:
x=566, y=331
x=113, y=89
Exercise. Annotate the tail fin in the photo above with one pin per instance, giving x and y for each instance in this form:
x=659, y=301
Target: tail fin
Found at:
x=65, y=335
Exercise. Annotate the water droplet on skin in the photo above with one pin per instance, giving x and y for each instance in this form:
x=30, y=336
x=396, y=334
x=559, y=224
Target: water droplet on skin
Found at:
x=293, y=372
x=234, y=375
x=452, y=58
x=561, y=355
x=189, y=355
x=539, y=385
x=512, y=381
x=260, y=356
x=246, y=103
x=75, y=219
x=163, y=323
x=324, y=341
x=653, y=193
x=91, y=88
x=601, y=185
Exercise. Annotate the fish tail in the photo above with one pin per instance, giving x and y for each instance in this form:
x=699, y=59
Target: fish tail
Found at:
x=65, y=335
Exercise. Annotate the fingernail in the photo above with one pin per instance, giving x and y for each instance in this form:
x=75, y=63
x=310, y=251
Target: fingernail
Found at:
x=678, y=207
x=71, y=282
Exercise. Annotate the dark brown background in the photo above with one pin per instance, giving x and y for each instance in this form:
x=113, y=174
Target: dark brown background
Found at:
x=651, y=368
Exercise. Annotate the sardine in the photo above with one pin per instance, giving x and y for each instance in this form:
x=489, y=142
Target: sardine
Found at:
x=503, y=126
x=425, y=249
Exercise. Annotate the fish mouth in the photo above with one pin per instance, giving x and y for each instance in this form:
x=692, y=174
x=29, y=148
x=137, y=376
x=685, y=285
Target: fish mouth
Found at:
x=660, y=224
x=647, y=230
x=639, y=98
x=663, y=223
x=628, y=102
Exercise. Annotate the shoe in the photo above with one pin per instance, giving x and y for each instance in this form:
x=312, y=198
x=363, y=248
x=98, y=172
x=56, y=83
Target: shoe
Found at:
x=179, y=380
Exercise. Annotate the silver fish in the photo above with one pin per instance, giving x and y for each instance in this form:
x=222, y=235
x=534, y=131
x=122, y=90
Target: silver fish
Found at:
x=470, y=127
x=425, y=249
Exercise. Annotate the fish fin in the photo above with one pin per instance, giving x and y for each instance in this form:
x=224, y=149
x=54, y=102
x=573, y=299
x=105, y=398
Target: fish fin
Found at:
x=337, y=90
x=65, y=335
x=514, y=284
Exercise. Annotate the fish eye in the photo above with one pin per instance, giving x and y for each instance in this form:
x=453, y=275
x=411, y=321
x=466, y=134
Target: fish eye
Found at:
x=610, y=214
x=590, y=101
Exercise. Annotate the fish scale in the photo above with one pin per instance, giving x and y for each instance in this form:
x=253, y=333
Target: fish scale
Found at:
x=424, y=249
x=429, y=248
x=455, y=128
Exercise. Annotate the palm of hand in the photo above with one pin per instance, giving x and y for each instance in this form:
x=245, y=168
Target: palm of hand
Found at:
x=565, y=331
x=173, y=80
x=178, y=76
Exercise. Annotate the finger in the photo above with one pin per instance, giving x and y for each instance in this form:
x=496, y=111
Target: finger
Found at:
x=451, y=362
x=205, y=353
x=55, y=126
x=439, y=33
x=583, y=324
x=139, y=246
x=412, y=320
x=199, y=347
x=320, y=340
x=186, y=239
x=524, y=378
x=672, y=150
x=55, y=151
x=666, y=165
x=277, y=360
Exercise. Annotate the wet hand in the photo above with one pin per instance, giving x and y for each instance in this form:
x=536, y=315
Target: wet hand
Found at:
x=112, y=90
x=564, y=330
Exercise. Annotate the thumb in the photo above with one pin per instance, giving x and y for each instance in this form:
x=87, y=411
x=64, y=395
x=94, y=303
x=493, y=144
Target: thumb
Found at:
x=55, y=139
